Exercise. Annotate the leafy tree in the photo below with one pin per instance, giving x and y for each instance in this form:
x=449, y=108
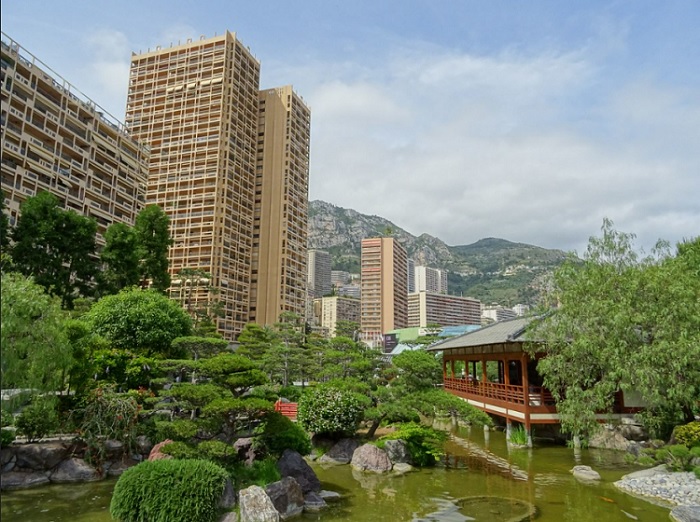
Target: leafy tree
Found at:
x=624, y=323
x=36, y=352
x=4, y=229
x=56, y=247
x=141, y=320
x=120, y=259
x=418, y=370
x=331, y=411
x=233, y=372
x=199, y=347
x=153, y=238
x=345, y=328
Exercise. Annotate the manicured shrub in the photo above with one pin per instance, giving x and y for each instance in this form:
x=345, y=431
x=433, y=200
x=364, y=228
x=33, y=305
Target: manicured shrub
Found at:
x=260, y=473
x=278, y=433
x=425, y=444
x=688, y=434
x=179, y=450
x=168, y=490
x=38, y=419
x=677, y=457
x=180, y=429
x=330, y=411
x=7, y=436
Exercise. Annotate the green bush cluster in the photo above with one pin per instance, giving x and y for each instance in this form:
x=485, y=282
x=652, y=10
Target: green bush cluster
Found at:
x=277, y=433
x=38, y=419
x=688, y=434
x=677, y=457
x=168, y=490
x=424, y=444
x=330, y=411
x=7, y=437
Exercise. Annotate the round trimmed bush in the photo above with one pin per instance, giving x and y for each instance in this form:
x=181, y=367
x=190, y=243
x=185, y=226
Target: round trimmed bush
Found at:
x=167, y=490
x=278, y=433
x=330, y=411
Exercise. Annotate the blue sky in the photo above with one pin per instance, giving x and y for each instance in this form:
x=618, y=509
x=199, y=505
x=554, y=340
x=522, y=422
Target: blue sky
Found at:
x=530, y=121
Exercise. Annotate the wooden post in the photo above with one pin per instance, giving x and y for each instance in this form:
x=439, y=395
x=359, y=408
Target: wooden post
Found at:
x=526, y=396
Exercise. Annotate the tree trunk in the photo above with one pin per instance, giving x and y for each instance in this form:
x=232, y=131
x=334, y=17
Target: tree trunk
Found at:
x=374, y=426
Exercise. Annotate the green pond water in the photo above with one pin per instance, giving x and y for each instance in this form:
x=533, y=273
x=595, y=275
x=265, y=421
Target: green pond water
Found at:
x=477, y=480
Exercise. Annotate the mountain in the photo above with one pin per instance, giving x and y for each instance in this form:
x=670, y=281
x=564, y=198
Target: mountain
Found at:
x=492, y=269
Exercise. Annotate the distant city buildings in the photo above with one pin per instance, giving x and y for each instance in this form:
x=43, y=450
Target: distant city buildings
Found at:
x=431, y=280
x=329, y=310
x=319, y=273
x=56, y=139
x=495, y=313
x=428, y=308
x=384, y=282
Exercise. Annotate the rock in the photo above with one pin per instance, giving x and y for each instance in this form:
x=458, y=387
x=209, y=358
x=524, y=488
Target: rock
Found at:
x=244, y=449
x=608, y=437
x=632, y=431
x=286, y=496
x=686, y=514
x=292, y=464
x=329, y=496
x=650, y=472
x=401, y=467
x=256, y=506
x=228, y=496
x=157, y=454
x=231, y=516
x=143, y=445
x=74, y=470
x=314, y=502
x=397, y=451
x=120, y=466
x=40, y=457
x=114, y=448
x=341, y=452
x=20, y=479
x=7, y=459
x=370, y=458
x=585, y=473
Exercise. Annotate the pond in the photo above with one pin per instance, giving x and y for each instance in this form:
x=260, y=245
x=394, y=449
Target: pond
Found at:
x=478, y=479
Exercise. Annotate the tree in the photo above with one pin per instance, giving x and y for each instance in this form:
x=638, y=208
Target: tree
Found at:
x=623, y=323
x=36, y=353
x=120, y=259
x=418, y=370
x=142, y=320
x=56, y=247
x=194, y=291
x=345, y=328
x=153, y=240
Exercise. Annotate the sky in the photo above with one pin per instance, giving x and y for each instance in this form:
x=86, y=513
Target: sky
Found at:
x=531, y=121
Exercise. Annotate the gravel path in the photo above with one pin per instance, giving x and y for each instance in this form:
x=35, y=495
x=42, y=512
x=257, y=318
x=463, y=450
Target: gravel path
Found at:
x=658, y=484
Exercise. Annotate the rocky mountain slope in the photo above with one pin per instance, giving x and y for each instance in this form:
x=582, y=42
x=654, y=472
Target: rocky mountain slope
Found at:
x=493, y=270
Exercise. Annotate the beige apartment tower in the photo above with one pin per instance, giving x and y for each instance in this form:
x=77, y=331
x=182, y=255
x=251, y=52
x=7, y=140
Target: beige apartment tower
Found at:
x=56, y=139
x=384, y=288
x=429, y=308
x=197, y=106
x=279, y=271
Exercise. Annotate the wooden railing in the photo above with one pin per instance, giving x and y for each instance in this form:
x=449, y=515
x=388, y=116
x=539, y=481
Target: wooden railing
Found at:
x=288, y=409
x=537, y=396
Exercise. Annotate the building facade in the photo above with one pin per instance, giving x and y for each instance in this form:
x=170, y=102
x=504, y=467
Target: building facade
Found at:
x=279, y=270
x=428, y=308
x=214, y=153
x=431, y=280
x=496, y=313
x=56, y=139
x=384, y=282
x=319, y=273
x=329, y=310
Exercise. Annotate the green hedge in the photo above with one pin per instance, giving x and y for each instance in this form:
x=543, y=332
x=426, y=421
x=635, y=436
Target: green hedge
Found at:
x=169, y=490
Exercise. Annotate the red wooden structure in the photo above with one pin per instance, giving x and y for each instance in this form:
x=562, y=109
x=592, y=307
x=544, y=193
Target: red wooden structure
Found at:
x=288, y=409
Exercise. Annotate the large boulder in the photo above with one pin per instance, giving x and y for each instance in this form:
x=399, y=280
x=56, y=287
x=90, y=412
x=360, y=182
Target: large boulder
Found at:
x=314, y=502
x=40, y=457
x=609, y=437
x=74, y=470
x=143, y=445
x=157, y=454
x=292, y=464
x=228, y=497
x=115, y=469
x=341, y=452
x=256, y=506
x=287, y=497
x=370, y=458
x=19, y=479
x=685, y=514
x=585, y=473
x=397, y=451
x=244, y=450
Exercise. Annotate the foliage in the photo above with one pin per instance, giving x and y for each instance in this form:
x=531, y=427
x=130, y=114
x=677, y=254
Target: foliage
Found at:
x=234, y=372
x=179, y=450
x=193, y=396
x=518, y=435
x=260, y=473
x=56, y=247
x=153, y=239
x=623, y=323
x=35, y=350
x=437, y=402
x=123, y=368
x=677, y=457
x=236, y=413
x=141, y=320
x=178, y=430
x=198, y=347
x=330, y=411
x=7, y=437
x=277, y=433
x=193, y=290
x=167, y=490
x=6, y=418
x=424, y=444
x=38, y=419
x=688, y=434
x=107, y=415
x=120, y=259
x=417, y=370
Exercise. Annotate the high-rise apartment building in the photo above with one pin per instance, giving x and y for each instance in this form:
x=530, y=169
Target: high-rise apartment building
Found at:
x=384, y=282
x=429, y=308
x=215, y=151
x=54, y=138
x=331, y=309
x=430, y=280
x=279, y=270
x=411, y=276
x=319, y=273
